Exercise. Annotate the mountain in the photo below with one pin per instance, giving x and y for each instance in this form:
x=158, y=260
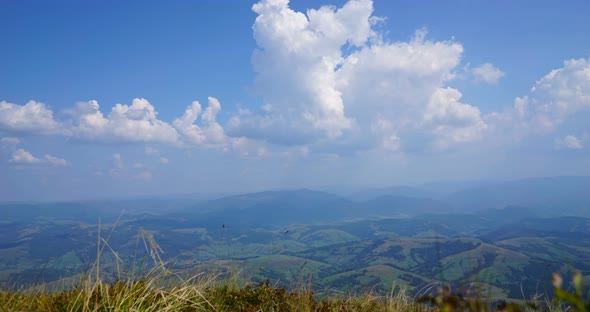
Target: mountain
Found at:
x=391, y=206
x=281, y=208
x=551, y=195
x=276, y=208
x=405, y=191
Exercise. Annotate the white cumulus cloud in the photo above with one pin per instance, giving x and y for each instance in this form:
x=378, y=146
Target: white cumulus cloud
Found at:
x=556, y=97
x=328, y=78
x=137, y=122
x=31, y=118
x=209, y=132
x=487, y=73
x=562, y=92
x=295, y=67
x=453, y=121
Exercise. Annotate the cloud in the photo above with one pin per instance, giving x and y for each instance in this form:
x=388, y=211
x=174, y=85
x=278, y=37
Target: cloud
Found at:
x=327, y=78
x=150, y=151
x=209, y=133
x=330, y=83
x=31, y=118
x=570, y=142
x=451, y=120
x=556, y=97
x=562, y=92
x=21, y=156
x=487, y=73
x=389, y=88
x=56, y=161
x=295, y=66
x=137, y=122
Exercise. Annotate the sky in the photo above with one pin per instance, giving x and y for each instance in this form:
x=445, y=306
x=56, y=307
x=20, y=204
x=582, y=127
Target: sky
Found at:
x=111, y=99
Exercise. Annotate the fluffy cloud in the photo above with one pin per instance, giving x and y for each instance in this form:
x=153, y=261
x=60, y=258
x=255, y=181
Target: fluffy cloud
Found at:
x=209, y=133
x=296, y=70
x=389, y=88
x=562, y=92
x=31, y=118
x=570, y=142
x=374, y=94
x=559, y=95
x=137, y=122
x=487, y=73
x=453, y=121
x=21, y=156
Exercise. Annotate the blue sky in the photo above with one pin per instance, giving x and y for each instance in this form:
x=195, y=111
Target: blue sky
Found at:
x=97, y=99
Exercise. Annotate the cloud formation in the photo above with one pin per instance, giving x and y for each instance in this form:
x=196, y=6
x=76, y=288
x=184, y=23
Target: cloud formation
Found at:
x=209, y=133
x=329, y=82
x=295, y=66
x=134, y=123
x=569, y=142
x=327, y=76
x=33, y=117
x=487, y=73
x=561, y=93
x=137, y=122
x=21, y=156
x=556, y=97
x=453, y=121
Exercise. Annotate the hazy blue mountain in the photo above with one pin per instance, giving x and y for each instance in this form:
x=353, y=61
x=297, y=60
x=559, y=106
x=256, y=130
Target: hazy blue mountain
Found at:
x=390, y=206
x=279, y=208
x=441, y=189
x=90, y=211
x=552, y=195
x=406, y=191
x=276, y=208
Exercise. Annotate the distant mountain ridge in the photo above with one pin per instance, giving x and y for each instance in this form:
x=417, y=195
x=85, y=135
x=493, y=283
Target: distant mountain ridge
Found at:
x=569, y=194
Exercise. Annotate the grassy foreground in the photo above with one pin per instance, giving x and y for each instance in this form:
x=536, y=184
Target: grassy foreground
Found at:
x=167, y=292
x=144, y=296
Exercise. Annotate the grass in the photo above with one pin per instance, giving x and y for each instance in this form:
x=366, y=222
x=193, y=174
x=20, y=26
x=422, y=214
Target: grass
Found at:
x=166, y=292
x=162, y=290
